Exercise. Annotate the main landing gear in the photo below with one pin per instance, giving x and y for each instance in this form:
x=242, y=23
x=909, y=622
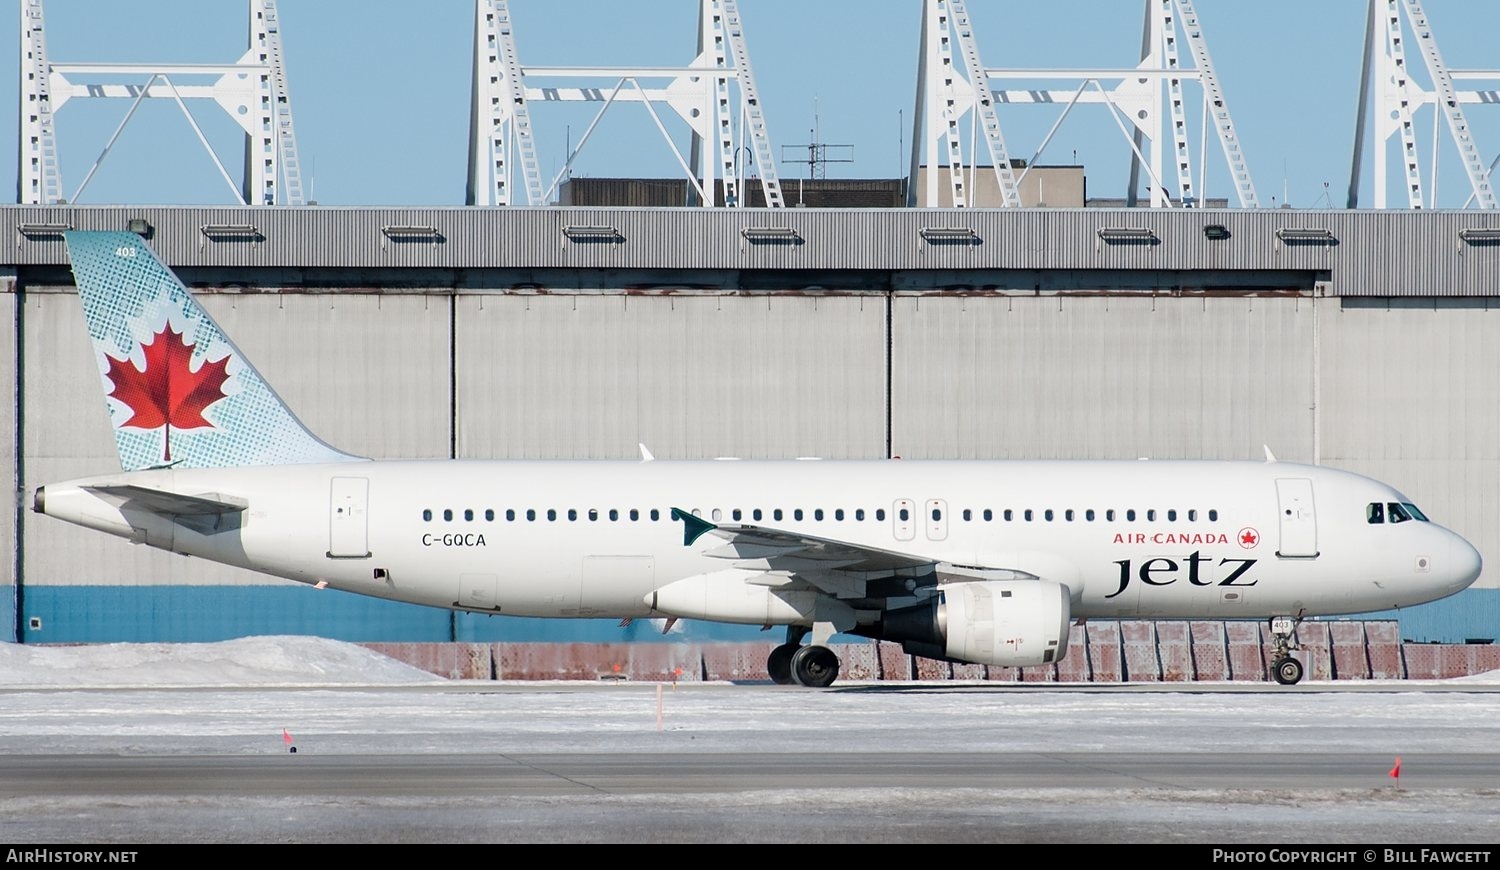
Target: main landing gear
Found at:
x=1284, y=669
x=815, y=666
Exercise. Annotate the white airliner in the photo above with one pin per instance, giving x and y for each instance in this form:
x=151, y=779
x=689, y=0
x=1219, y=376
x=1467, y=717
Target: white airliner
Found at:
x=986, y=562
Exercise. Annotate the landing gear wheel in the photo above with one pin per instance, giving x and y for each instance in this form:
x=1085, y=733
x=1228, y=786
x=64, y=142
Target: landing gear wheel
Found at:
x=779, y=665
x=1287, y=671
x=815, y=666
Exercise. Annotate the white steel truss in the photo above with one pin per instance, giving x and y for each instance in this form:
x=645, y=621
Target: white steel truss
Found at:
x=1388, y=86
x=1147, y=103
x=253, y=91
x=703, y=94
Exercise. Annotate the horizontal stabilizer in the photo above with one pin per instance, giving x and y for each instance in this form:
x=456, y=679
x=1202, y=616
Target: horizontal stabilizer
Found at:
x=159, y=501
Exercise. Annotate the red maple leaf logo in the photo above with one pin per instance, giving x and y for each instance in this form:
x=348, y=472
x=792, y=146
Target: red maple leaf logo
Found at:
x=167, y=392
x=1248, y=538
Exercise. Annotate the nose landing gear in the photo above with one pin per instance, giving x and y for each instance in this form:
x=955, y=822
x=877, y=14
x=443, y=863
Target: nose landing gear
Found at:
x=1284, y=669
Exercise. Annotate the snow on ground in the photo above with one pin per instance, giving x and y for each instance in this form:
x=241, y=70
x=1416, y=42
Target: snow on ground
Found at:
x=258, y=661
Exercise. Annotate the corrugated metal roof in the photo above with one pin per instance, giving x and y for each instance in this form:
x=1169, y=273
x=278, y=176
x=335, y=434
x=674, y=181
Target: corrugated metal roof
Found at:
x=1354, y=253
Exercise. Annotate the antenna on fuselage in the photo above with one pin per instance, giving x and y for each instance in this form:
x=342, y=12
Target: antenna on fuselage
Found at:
x=1270, y=457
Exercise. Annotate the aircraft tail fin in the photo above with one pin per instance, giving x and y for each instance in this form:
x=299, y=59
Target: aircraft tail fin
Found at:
x=180, y=393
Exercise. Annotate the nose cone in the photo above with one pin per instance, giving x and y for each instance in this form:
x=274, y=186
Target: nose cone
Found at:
x=1464, y=564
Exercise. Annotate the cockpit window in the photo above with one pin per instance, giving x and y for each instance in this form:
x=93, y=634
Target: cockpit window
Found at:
x=1375, y=513
x=1415, y=514
x=1397, y=513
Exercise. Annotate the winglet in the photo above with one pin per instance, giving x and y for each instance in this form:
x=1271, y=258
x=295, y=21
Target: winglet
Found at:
x=693, y=527
x=645, y=454
x=1270, y=457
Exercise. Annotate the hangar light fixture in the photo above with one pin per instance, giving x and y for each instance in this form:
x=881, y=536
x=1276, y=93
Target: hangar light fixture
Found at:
x=592, y=233
x=1306, y=235
x=411, y=233
x=1215, y=232
x=230, y=231
x=951, y=235
x=42, y=230
x=784, y=235
x=1128, y=235
x=1480, y=234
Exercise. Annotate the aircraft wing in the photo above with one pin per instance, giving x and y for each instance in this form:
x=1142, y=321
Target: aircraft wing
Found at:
x=796, y=551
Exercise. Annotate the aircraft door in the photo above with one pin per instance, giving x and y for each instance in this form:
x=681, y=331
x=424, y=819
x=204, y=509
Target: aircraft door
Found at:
x=348, y=522
x=935, y=516
x=1299, y=523
x=903, y=519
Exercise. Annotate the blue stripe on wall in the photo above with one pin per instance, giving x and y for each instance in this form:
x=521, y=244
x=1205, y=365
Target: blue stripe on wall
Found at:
x=200, y=614
x=1471, y=615
x=8, y=612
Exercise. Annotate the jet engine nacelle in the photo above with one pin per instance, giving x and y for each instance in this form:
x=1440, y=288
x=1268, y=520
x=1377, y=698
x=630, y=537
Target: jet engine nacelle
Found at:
x=1007, y=623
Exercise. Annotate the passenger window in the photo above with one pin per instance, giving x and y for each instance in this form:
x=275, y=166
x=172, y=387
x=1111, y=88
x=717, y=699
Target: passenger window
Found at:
x=1109, y=515
x=1397, y=513
x=531, y=515
x=796, y=513
x=1192, y=516
x=859, y=514
x=447, y=515
x=1028, y=515
x=510, y=515
x=573, y=515
x=716, y=514
x=968, y=515
x=427, y=515
x=1089, y=514
x=1069, y=515
x=1130, y=515
x=880, y=514
x=1047, y=514
x=489, y=515
x=1151, y=515
x=468, y=515
x=635, y=514
x=937, y=515
x=736, y=515
x=1009, y=515
x=1213, y=515
x=905, y=515
x=551, y=515
x=655, y=515
x=593, y=515
x=776, y=514
x=818, y=514
x=989, y=515
x=1172, y=515
x=614, y=515
x=838, y=514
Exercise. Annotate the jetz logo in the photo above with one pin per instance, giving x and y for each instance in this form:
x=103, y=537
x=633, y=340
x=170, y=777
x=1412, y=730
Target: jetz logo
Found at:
x=168, y=391
x=1164, y=571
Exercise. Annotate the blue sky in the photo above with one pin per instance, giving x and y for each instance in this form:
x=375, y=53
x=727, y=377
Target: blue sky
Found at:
x=381, y=92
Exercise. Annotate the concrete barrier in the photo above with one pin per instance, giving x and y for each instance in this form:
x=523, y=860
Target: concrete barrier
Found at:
x=1105, y=659
x=1104, y=651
